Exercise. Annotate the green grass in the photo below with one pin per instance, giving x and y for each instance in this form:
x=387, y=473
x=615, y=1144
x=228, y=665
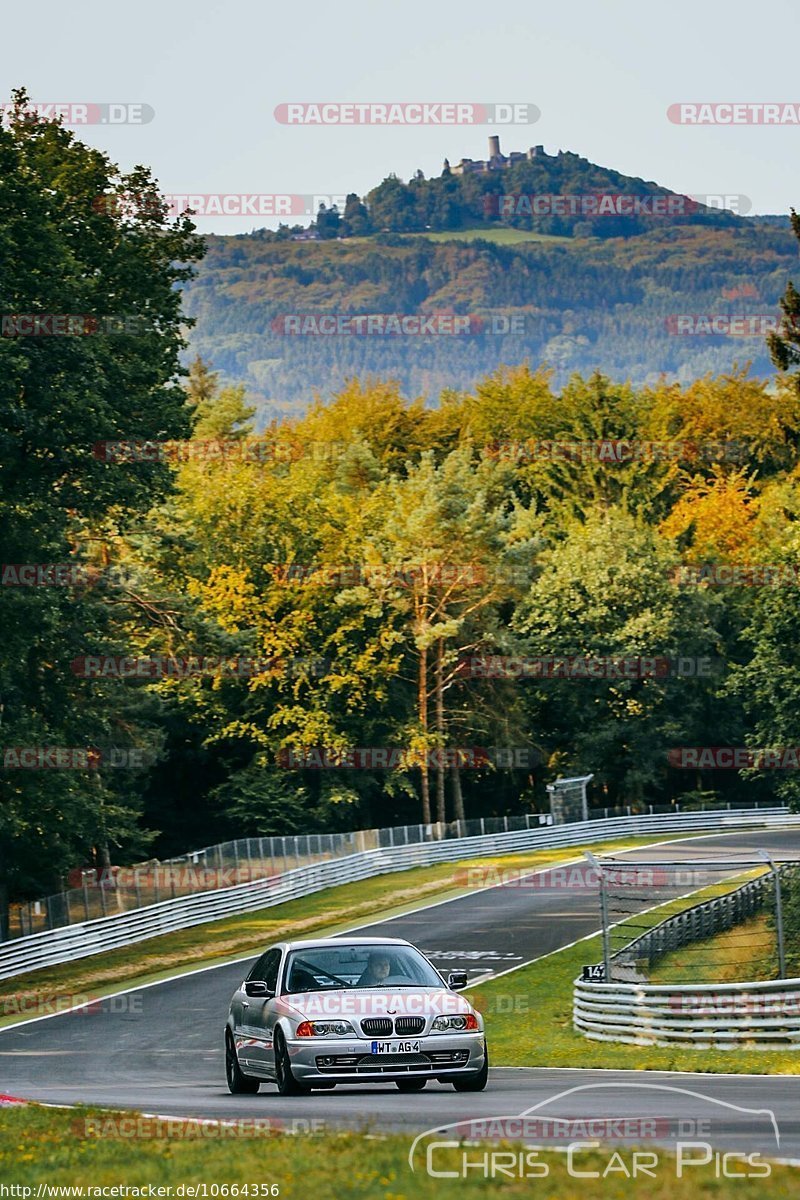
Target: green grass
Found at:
x=328, y=911
x=501, y=236
x=51, y=1146
x=528, y=1015
x=747, y=951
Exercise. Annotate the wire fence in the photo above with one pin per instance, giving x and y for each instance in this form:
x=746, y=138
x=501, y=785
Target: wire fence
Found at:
x=715, y=921
x=122, y=889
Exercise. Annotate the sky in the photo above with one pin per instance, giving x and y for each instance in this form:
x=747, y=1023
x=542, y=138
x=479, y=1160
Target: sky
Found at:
x=602, y=75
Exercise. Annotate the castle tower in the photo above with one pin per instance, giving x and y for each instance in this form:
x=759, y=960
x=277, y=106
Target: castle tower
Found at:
x=494, y=148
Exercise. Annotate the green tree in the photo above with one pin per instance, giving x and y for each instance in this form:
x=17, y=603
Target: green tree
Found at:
x=63, y=251
x=605, y=592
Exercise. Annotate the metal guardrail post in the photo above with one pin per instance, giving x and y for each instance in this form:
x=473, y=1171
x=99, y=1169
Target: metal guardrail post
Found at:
x=776, y=878
x=603, y=914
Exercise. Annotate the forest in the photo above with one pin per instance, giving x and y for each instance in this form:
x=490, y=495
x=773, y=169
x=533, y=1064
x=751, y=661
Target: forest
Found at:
x=579, y=304
x=375, y=611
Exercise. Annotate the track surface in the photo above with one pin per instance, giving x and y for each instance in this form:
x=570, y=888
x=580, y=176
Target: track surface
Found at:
x=158, y=1049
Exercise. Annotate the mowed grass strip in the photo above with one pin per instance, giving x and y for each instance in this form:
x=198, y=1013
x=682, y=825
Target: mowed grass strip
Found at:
x=528, y=1015
x=746, y=951
x=324, y=912
x=53, y=1147
x=500, y=235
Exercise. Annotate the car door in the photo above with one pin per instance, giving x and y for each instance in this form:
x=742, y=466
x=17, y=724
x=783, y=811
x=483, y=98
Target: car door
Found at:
x=269, y=1015
x=256, y=1012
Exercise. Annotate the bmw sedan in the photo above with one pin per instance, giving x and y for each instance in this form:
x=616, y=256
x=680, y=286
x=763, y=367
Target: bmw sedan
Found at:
x=314, y=1014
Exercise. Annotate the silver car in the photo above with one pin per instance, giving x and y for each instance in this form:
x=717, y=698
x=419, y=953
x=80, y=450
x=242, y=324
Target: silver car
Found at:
x=314, y=1014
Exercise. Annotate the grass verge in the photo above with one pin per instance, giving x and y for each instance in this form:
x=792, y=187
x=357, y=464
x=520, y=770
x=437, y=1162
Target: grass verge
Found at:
x=40, y=1146
x=501, y=236
x=747, y=951
x=328, y=911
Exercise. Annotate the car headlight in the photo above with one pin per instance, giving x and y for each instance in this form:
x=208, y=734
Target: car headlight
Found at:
x=325, y=1029
x=461, y=1023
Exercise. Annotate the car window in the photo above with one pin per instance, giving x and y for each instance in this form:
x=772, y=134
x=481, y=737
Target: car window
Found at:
x=322, y=968
x=266, y=968
x=271, y=968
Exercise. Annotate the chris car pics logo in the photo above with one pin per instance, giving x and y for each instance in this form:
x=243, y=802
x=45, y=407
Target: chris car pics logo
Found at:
x=604, y=1136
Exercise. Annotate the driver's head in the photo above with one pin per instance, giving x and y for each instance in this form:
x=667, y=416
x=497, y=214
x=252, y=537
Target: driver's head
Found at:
x=378, y=966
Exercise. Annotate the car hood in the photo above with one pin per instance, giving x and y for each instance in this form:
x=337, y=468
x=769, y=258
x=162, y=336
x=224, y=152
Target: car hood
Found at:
x=376, y=1002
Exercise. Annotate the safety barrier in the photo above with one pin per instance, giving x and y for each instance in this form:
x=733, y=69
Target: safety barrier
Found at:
x=122, y=929
x=724, y=1016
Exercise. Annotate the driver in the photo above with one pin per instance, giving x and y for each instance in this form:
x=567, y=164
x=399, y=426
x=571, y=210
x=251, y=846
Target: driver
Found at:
x=377, y=970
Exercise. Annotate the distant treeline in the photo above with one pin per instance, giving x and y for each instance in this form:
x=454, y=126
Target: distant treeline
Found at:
x=579, y=305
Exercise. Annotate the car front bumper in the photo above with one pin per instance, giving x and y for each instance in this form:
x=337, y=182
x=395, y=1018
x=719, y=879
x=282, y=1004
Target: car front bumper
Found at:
x=350, y=1060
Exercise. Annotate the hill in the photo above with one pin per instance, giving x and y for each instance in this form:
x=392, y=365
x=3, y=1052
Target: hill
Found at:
x=579, y=304
x=547, y=258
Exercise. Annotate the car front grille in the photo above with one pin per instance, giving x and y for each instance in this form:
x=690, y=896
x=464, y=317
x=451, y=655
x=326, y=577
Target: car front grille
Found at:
x=409, y=1024
x=389, y=1064
x=384, y=1026
x=376, y=1026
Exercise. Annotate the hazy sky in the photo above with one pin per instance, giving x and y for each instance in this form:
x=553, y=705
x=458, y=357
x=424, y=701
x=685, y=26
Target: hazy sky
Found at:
x=602, y=74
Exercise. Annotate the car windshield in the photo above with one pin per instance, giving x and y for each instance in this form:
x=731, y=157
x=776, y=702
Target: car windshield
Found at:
x=320, y=968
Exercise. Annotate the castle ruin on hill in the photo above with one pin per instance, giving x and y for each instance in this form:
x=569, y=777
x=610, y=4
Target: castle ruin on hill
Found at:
x=496, y=161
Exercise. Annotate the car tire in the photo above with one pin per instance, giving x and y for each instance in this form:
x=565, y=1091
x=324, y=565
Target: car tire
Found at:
x=410, y=1085
x=287, y=1084
x=477, y=1082
x=239, y=1084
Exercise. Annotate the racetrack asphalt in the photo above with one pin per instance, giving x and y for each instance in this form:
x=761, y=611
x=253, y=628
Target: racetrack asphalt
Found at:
x=158, y=1049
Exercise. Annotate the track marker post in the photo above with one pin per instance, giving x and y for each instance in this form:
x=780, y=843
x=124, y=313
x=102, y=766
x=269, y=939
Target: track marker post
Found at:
x=776, y=877
x=598, y=866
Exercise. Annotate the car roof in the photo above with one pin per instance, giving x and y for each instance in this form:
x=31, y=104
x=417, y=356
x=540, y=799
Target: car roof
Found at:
x=345, y=941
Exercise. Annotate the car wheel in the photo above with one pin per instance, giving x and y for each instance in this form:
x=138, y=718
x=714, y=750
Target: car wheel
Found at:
x=475, y=1083
x=287, y=1084
x=238, y=1083
x=410, y=1085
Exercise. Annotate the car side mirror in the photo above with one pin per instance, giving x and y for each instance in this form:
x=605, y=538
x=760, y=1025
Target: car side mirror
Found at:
x=257, y=987
x=457, y=980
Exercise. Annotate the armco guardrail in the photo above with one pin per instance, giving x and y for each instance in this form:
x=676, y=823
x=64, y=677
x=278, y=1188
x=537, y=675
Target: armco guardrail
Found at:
x=123, y=929
x=120, y=889
x=761, y=1016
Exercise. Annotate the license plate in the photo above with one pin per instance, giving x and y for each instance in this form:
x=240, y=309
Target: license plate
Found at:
x=394, y=1047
